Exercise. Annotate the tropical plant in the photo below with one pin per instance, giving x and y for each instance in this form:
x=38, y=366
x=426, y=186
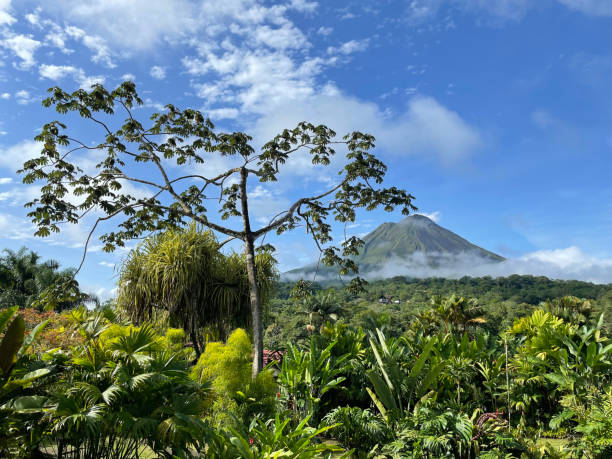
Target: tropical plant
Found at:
x=357, y=428
x=456, y=313
x=182, y=273
x=187, y=137
x=20, y=372
x=24, y=279
x=569, y=308
x=14, y=370
x=274, y=438
x=396, y=385
x=118, y=394
x=228, y=367
x=307, y=374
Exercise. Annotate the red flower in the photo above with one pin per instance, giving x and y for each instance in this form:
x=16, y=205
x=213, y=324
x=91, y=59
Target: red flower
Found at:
x=278, y=395
x=251, y=441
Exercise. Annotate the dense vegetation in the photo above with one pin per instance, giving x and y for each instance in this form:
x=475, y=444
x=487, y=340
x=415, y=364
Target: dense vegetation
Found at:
x=25, y=280
x=501, y=301
x=514, y=367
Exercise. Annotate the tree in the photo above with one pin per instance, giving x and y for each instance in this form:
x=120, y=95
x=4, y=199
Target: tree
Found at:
x=182, y=138
x=24, y=279
x=181, y=273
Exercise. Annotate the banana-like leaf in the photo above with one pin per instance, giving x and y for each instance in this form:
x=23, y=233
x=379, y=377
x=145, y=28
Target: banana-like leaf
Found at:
x=383, y=391
x=381, y=364
x=420, y=362
x=11, y=343
x=26, y=404
x=430, y=379
x=29, y=339
x=6, y=315
x=378, y=403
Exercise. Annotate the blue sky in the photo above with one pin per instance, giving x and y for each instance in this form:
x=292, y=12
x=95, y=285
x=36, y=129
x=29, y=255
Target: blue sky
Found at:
x=495, y=114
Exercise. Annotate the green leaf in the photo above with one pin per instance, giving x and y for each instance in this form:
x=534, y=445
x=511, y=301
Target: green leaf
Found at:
x=6, y=315
x=11, y=343
x=383, y=391
x=29, y=339
x=26, y=404
x=420, y=362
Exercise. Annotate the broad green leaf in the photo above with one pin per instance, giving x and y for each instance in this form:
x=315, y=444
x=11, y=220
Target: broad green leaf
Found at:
x=6, y=315
x=29, y=339
x=11, y=343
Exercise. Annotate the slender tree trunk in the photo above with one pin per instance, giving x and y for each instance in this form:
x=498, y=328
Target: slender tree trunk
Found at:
x=256, y=310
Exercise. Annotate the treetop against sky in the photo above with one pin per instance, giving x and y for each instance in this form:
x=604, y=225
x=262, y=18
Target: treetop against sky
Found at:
x=494, y=114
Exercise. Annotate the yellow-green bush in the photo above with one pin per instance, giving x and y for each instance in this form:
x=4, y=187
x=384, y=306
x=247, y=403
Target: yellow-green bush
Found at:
x=228, y=366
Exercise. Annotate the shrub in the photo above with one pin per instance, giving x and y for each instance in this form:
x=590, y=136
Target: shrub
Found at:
x=228, y=366
x=356, y=428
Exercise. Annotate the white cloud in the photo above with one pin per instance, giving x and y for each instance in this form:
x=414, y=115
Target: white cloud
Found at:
x=23, y=97
x=592, y=7
x=419, y=10
x=223, y=113
x=564, y=264
x=434, y=216
x=5, y=180
x=158, y=72
x=107, y=264
x=58, y=72
x=24, y=48
x=14, y=227
x=425, y=128
x=303, y=5
x=13, y=157
x=5, y=17
x=128, y=76
x=325, y=31
x=285, y=37
x=135, y=24
x=102, y=293
x=18, y=196
x=5, y=95
x=102, y=53
x=349, y=47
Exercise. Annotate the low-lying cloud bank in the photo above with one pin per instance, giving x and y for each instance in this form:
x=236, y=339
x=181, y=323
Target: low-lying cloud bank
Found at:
x=564, y=264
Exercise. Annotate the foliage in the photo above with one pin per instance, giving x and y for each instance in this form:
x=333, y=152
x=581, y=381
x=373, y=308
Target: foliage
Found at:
x=25, y=280
x=357, y=428
x=308, y=374
x=183, y=273
x=228, y=367
x=272, y=439
x=398, y=385
x=594, y=421
x=116, y=395
x=449, y=387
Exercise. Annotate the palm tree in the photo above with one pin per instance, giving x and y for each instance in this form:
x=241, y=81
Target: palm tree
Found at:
x=321, y=307
x=457, y=313
x=182, y=274
x=24, y=279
